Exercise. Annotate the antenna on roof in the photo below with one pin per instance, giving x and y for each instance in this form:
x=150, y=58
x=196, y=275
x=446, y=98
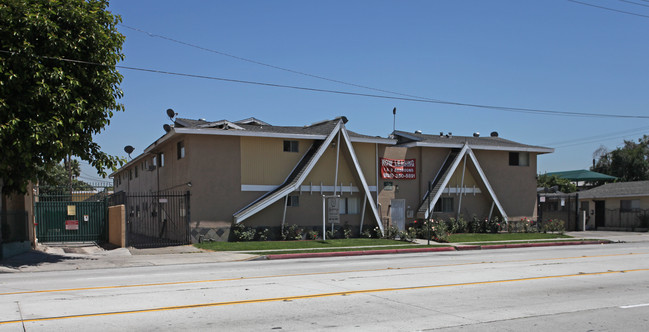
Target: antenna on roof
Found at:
x=171, y=114
x=166, y=127
x=394, y=119
x=129, y=149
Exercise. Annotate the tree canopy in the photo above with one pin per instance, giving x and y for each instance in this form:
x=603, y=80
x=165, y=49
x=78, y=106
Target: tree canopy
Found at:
x=629, y=162
x=549, y=181
x=59, y=176
x=58, y=85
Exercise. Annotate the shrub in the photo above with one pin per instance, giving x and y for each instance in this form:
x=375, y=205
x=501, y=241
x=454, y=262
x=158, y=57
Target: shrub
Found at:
x=241, y=232
x=473, y=225
x=367, y=232
x=312, y=235
x=347, y=231
x=292, y=232
x=439, y=231
x=263, y=234
x=412, y=233
x=457, y=225
x=554, y=226
x=391, y=232
x=494, y=225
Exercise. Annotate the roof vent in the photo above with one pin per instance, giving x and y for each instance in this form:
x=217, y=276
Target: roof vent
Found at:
x=450, y=134
x=476, y=134
x=441, y=133
x=494, y=134
x=417, y=131
x=201, y=119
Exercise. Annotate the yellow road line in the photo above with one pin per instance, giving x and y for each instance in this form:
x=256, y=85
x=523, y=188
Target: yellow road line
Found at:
x=306, y=274
x=312, y=296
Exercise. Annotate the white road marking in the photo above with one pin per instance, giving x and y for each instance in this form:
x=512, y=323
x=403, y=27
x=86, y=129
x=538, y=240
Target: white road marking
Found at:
x=634, y=306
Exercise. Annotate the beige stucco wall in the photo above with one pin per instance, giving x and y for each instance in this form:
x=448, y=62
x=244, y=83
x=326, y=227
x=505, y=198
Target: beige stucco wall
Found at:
x=117, y=225
x=515, y=186
x=264, y=161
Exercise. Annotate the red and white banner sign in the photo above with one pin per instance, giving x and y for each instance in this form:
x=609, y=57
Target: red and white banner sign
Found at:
x=398, y=169
x=72, y=225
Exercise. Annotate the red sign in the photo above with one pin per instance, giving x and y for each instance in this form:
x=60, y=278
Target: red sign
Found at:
x=72, y=225
x=404, y=169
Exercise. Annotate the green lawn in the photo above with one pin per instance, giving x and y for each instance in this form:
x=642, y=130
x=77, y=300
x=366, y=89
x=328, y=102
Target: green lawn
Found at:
x=317, y=244
x=478, y=237
x=345, y=249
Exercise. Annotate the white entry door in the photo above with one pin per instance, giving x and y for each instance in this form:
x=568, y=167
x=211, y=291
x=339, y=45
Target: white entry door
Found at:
x=398, y=213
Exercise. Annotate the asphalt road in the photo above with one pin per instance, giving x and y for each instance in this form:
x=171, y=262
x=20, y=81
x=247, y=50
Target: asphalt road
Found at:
x=575, y=288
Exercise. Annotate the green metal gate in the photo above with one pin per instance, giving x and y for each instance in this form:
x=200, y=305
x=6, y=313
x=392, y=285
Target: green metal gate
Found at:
x=64, y=215
x=71, y=221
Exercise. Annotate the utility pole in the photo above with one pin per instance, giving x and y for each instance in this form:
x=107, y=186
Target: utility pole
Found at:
x=428, y=212
x=69, y=164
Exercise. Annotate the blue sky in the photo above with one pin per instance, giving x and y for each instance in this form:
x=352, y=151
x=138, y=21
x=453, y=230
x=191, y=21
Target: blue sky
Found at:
x=551, y=55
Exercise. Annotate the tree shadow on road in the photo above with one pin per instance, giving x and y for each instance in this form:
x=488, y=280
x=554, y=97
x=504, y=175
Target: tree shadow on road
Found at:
x=36, y=258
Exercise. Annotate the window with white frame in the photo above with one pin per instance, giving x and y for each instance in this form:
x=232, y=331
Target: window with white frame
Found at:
x=293, y=201
x=180, y=146
x=291, y=146
x=444, y=204
x=349, y=205
x=519, y=159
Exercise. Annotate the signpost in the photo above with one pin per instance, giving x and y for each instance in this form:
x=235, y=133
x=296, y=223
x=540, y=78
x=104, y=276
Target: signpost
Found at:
x=330, y=212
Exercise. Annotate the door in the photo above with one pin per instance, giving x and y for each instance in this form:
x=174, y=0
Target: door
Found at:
x=600, y=214
x=398, y=213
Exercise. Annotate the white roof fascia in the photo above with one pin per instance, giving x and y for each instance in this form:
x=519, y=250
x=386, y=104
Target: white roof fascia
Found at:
x=280, y=194
x=486, y=183
x=515, y=149
x=446, y=179
x=613, y=196
x=479, y=147
x=235, y=132
x=377, y=140
x=366, y=189
x=160, y=140
x=130, y=163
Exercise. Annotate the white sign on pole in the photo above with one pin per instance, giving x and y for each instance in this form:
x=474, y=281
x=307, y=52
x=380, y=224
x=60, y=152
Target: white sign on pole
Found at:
x=333, y=210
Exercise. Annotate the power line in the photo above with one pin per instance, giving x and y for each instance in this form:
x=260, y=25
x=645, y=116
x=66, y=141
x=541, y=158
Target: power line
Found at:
x=597, y=140
x=607, y=8
x=492, y=107
x=635, y=3
x=269, y=65
x=627, y=131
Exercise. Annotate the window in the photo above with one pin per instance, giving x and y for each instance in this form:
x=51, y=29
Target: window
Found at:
x=290, y=146
x=349, y=205
x=135, y=171
x=444, y=204
x=293, y=201
x=181, y=149
x=130, y=174
x=161, y=159
x=519, y=159
x=628, y=205
x=154, y=161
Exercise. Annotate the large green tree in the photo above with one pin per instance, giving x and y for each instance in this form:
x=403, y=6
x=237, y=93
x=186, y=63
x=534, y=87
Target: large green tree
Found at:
x=549, y=181
x=58, y=85
x=629, y=162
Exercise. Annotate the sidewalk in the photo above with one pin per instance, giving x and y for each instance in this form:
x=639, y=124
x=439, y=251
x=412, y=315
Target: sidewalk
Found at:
x=60, y=257
x=63, y=257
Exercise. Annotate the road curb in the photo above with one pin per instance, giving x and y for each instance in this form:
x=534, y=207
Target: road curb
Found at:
x=436, y=249
x=358, y=253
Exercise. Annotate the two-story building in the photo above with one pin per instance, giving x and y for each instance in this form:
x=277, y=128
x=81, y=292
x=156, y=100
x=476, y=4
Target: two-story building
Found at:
x=263, y=175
